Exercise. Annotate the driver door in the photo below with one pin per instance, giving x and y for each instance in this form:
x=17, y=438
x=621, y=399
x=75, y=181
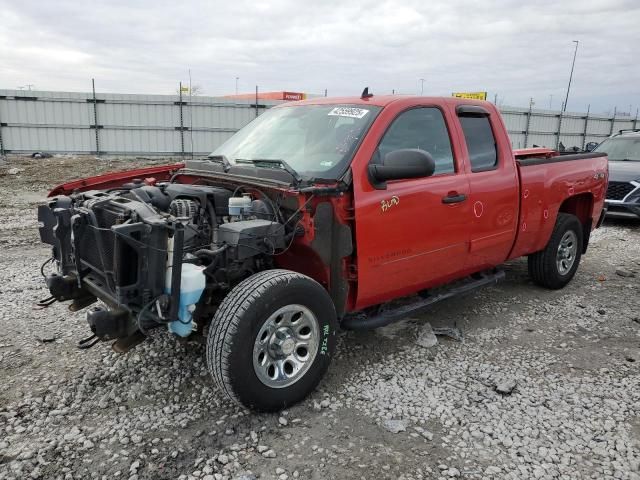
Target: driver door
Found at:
x=415, y=233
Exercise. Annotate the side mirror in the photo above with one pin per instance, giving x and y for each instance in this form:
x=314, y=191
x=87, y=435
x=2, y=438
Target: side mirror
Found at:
x=590, y=147
x=402, y=164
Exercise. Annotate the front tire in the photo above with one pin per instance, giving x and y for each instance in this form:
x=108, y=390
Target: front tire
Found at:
x=272, y=339
x=556, y=265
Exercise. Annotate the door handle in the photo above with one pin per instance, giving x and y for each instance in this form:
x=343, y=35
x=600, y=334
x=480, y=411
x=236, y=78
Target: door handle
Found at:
x=454, y=198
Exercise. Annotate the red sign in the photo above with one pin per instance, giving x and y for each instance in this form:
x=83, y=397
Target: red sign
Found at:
x=292, y=96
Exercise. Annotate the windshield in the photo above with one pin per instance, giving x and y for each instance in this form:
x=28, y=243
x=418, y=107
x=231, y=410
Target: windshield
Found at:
x=621, y=148
x=317, y=141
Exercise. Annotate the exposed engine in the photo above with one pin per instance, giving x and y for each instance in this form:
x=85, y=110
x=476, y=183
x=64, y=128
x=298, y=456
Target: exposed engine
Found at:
x=158, y=254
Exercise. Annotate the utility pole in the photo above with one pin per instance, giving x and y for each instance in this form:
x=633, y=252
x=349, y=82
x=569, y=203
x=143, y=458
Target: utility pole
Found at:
x=237, y=78
x=190, y=114
x=421, y=86
x=575, y=53
x=550, y=101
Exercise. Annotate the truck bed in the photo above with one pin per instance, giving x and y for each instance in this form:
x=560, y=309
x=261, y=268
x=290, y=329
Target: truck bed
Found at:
x=552, y=183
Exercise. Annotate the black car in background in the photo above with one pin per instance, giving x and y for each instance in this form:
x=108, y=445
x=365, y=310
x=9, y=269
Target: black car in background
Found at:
x=623, y=194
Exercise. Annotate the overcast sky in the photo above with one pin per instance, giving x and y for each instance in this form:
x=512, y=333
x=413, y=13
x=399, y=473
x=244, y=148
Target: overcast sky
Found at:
x=513, y=48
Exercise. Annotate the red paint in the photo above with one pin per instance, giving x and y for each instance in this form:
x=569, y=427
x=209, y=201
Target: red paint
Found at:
x=418, y=242
x=149, y=175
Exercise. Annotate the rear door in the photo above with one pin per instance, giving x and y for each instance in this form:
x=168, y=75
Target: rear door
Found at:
x=414, y=233
x=494, y=186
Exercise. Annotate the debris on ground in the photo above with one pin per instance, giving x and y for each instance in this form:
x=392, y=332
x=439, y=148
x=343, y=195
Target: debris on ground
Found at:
x=395, y=426
x=41, y=155
x=46, y=337
x=426, y=337
x=506, y=385
x=451, y=332
x=624, y=272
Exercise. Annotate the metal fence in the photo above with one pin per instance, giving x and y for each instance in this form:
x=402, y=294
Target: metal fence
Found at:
x=118, y=124
x=550, y=128
x=169, y=125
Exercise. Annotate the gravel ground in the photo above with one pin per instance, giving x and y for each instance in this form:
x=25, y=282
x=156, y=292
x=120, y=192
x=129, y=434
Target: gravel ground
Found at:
x=543, y=385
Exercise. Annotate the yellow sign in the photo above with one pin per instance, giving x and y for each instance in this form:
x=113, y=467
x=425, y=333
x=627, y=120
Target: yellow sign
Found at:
x=471, y=95
x=184, y=89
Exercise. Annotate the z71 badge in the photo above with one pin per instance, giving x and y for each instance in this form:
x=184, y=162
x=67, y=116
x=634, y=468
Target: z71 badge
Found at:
x=387, y=204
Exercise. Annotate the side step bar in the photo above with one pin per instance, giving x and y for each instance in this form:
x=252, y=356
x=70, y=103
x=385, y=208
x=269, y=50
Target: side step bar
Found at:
x=385, y=316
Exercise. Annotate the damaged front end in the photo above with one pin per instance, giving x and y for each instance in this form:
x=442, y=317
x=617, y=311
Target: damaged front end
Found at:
x=155, y=255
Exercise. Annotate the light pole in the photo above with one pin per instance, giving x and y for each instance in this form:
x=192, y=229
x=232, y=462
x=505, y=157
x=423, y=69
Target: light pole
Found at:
x=421, y=86
x=575, y=52
x=237, y=78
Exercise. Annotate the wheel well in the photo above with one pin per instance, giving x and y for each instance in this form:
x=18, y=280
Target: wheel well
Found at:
x=581, y=206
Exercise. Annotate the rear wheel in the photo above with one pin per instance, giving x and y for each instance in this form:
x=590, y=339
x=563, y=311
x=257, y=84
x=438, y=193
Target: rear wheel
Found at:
x=271, y=340
x=556, y=265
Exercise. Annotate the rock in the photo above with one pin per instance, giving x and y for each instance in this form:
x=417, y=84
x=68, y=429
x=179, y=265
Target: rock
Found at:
x=426, y=337
x=45, y=337
x=623, y=272
x=13, y=171
x=506, y=385
x=134, y=467
x=245, y=476
x=262, y=448
x=283, y=421
x=269, y=454
x=453, y=472
x=395, y=426
x=279, y=471
x=223, y=459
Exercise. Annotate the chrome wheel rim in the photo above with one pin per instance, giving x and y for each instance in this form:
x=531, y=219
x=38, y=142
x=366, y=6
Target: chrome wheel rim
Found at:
x=567, y=251
x=286, y=346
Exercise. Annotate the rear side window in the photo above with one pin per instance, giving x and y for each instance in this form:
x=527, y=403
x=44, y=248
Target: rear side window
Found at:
x=422, y=128
x=481, y=143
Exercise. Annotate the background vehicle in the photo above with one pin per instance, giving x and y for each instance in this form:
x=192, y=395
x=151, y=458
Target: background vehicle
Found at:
x=317, y=215
x=623, y=194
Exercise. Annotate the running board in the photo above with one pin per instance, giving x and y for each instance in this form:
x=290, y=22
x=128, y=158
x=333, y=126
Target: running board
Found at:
x=362, y=321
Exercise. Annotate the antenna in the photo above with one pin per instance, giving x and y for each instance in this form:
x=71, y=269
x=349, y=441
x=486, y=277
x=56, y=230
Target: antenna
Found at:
x=366, y=94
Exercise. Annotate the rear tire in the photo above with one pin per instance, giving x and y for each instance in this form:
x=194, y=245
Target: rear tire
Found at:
x=556, y=265
x=272, y=339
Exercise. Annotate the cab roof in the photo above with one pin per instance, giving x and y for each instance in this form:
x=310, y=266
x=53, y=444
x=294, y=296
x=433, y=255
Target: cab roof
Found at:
x=384, y=100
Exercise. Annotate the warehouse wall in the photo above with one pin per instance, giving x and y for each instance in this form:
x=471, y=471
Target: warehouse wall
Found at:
x=66, y=122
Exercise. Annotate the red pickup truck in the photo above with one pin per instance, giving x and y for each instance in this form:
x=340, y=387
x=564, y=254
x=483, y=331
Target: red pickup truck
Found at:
x=318, y=215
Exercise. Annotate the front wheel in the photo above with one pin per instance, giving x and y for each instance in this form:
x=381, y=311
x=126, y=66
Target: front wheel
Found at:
x=272, y=339
x=556, y=265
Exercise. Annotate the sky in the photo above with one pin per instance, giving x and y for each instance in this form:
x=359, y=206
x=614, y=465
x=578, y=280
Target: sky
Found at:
x=514, y=49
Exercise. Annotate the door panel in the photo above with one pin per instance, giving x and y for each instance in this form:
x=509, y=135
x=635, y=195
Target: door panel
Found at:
x=494, y=187
x=415, y=233
x=408, y=239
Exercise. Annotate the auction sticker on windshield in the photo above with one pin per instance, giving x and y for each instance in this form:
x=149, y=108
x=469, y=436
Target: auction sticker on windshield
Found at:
x=351, y=112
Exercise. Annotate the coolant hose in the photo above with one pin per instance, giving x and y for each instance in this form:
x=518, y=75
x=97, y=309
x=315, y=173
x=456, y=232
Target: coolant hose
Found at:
x=210, y=254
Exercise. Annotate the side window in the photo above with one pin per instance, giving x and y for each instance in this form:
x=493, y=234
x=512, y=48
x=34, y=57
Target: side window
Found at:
x=481, y=143
x=422, y=128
